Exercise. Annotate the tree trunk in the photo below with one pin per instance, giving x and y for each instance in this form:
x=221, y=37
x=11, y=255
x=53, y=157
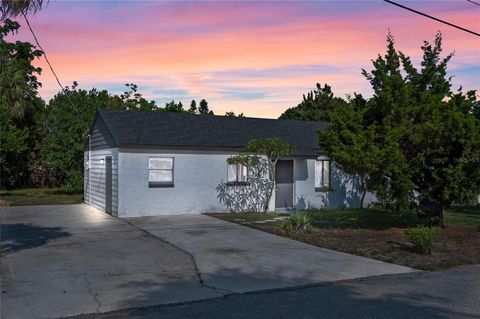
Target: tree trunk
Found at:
x=269, y=197
x=363, y=198
x=440, y=219
x=364, y=191
x=270, y=193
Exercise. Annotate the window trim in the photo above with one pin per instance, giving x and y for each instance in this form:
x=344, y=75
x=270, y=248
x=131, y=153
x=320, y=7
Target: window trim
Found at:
x=322, y=187
x=237, y=182
x=161, y=184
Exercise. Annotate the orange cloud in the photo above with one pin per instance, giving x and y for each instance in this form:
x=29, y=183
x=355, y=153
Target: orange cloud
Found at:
x=257, y=58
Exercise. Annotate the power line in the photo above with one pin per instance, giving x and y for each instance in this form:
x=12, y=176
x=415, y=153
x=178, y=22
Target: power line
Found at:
x=476, y=3
x=433, y=18
x=44, y=53
x=48, y=62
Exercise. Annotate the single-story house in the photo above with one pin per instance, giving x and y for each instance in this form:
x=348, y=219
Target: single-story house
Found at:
x=152, y=163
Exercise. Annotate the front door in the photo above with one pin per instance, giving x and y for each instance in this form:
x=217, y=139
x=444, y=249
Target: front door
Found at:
x=108, y=185
x=284, y=184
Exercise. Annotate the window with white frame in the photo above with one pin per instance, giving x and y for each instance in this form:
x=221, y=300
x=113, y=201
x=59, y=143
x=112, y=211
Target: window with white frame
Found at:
x=160, y=172
x=237, y=174
x=322, y=174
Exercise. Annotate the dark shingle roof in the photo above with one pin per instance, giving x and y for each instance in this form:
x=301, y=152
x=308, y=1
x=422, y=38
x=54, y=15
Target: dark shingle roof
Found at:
x=178, y=130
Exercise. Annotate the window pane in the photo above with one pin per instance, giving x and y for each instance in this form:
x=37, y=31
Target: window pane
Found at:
x=160, y=163
x=163, y=176
x=326, y=174
x=232, y=173
x=243, y=173
x=318, y=173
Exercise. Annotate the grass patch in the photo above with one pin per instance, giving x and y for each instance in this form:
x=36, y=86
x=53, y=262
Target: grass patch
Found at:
x=37, y=196
x=463, y=215
x=364, y=218
x=380, y=234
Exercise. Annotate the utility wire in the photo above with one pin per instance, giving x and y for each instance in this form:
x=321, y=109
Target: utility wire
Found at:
x=44, y=53
x=476, y=3
x=48, y=62
x=433, y=18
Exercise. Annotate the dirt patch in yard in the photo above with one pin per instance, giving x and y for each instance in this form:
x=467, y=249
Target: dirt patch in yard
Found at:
x=4, y=202
x=457, y=245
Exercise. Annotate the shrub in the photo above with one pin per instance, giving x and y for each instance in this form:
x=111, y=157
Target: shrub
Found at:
x=421, y=238
x=298, y=222
x=73, y=183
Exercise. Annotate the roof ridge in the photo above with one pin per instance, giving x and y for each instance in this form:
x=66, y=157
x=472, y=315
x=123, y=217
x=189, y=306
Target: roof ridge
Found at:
x=215, y=116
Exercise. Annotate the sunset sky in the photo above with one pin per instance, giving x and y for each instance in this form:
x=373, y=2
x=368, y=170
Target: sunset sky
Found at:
x=255, y=57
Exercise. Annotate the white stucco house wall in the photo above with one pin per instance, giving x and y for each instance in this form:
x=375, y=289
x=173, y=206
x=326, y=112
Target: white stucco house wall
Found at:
x=154, y=163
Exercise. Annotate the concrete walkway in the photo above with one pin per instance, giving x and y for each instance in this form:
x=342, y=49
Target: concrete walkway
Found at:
x=71, y=259
x=240, y=259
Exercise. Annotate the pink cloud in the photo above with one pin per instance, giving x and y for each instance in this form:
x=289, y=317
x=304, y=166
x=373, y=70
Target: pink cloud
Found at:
x=185, y=45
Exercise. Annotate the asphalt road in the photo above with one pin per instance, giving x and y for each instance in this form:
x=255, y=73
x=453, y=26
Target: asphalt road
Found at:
x=453, y=293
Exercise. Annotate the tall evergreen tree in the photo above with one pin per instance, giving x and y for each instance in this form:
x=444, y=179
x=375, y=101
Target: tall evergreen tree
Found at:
x=317, y=105
x=353, y=146
x=203, y=108
x=431, y=132
x=193, y=107
x=388, y=110
x=424, y=139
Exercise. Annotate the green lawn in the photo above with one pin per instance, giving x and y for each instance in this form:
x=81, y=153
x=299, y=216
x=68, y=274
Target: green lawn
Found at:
x=370, y=218
x=463, y=215
x=37, y=196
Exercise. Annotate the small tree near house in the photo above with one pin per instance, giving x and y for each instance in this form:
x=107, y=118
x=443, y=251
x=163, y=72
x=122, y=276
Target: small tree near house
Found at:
x=272, y=149
x=260, y=161
x=247, y=196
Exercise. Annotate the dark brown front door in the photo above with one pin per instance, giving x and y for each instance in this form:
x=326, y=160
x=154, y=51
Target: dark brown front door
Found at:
x=284, y=184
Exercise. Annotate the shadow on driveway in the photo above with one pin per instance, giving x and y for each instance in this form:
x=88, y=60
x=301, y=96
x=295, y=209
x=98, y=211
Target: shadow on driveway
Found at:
x=399, y=296
x=16, y=237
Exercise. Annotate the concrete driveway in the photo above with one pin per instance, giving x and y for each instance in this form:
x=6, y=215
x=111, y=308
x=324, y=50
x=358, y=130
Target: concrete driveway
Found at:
x=73, y=259
x=239, y=259
x=67, y=260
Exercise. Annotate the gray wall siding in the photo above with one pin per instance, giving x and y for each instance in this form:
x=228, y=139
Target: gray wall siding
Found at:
x=100, y=136
x=343, y=192
x=195, y=178
x=94, y=188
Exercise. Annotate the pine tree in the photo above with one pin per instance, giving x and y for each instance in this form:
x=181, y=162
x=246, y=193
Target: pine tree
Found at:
x=203, y=108
x=193, y=107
